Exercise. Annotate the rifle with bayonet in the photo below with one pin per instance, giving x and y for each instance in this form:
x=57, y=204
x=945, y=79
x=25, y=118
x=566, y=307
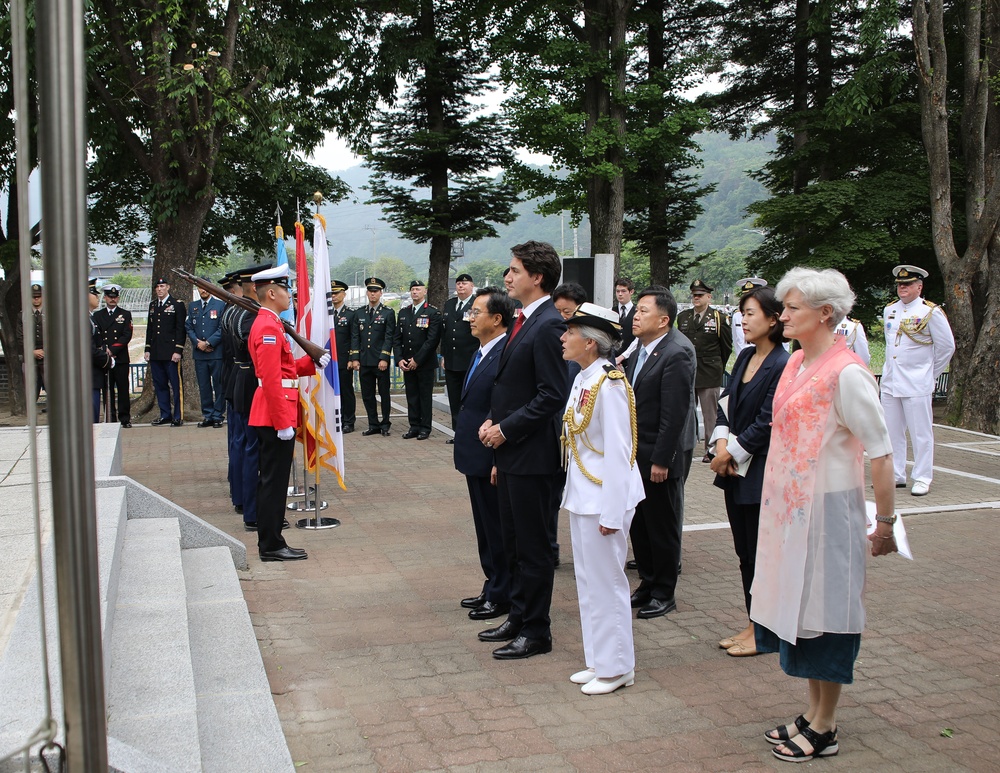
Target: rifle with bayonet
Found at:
x=313, y=350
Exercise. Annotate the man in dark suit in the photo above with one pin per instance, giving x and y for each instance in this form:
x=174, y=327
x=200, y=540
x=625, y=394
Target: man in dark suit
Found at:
x=418, y=331
x=624, y=287
x=371, y=351
x=490, y=316
x=343, y=322
x=457, y=342
x=661, y=372
x=115, y=325
x=529, y=396
x=165, y=339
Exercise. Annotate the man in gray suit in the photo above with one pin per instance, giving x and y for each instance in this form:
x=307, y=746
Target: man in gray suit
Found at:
x=661, y=372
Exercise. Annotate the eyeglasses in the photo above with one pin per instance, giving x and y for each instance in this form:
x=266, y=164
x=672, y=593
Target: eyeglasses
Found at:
x=473, y=313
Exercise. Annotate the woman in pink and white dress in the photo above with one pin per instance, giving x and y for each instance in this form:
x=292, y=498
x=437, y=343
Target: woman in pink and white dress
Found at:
x=807, y=593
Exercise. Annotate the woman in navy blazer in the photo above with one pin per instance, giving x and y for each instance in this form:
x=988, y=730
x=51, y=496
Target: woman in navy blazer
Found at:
x=743, y=434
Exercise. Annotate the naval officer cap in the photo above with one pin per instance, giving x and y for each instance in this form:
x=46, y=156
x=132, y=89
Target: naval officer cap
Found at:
x=247, y=274
x=592, y=315
x=112, y=291
x=747, y=283
x=698, y=287
x=272, y=276
x=374, y=283
x=92, y=285
x=905, y=274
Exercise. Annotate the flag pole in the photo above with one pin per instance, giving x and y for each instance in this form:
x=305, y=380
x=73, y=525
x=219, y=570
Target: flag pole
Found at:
x=317, y=522
x=316, y=504
x=294, y=490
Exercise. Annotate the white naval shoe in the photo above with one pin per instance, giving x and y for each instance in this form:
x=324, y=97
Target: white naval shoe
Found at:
x=920, y=488
x=582, y=677
x=600, y=686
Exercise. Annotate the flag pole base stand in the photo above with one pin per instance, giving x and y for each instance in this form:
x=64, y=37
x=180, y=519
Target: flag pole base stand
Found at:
x=317, y=523
x=297, y=491
x=308, y=506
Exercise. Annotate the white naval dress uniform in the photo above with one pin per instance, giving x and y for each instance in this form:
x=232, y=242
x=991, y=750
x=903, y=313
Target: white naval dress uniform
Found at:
x=739, y=339
x=854, y=333
x=918, y=346
x=599, y=561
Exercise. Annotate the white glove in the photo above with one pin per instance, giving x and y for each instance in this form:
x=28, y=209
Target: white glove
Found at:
x=286, y=434
x=324, y=360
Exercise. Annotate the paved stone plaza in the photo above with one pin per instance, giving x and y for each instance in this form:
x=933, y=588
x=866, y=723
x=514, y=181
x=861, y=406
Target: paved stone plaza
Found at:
x=374, y=666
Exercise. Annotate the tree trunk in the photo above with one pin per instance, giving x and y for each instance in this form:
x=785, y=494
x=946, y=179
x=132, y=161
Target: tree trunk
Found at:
x=177, y=247
x=10, y=311
x=440, y=248
x=973, y=397
x=659, y=253
x=604, y=28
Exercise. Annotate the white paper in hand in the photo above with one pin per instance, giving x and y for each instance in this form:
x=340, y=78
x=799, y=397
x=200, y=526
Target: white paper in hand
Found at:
x=898, y=531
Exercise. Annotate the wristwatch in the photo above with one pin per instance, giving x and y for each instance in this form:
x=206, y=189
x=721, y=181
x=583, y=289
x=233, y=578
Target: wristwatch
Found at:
x=889, y=519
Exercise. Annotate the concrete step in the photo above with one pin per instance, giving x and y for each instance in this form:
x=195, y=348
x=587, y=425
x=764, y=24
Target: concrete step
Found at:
x=151, y=699
x=112, y=515
x=237, y=721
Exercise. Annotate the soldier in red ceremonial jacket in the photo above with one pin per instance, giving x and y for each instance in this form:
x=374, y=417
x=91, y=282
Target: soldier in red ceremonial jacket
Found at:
x=274, y=411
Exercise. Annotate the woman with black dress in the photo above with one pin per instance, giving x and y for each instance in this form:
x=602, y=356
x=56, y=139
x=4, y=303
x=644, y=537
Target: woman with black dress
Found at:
x=743, y=433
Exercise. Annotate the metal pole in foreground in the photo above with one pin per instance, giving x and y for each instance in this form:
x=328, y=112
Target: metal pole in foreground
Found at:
x=62, y=152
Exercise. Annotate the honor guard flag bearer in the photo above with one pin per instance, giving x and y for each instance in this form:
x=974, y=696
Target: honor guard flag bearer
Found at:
x=322, y=391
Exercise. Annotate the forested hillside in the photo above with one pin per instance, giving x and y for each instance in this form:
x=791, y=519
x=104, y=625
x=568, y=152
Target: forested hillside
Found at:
x=723, y=225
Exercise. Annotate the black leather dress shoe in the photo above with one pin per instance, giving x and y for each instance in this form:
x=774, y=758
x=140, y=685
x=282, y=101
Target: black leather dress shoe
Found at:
x=126, y=425
x=488, y=611
x=411, y=434
x=474, y=601
x=217, y=424
x=249, y=525
x=656, y=608
x=640, y=597
x=503, y=632
x=285, y=554
x=371, y=431
x=347, y=430
x=238, y=508
x=423, y=436
x=160, y=422
x=631, y=564
x=450, y=441
x=386, y=433
x=206, y=423
x=285, y=524
x=297, y=550
x=523, y=647
x=176, y=423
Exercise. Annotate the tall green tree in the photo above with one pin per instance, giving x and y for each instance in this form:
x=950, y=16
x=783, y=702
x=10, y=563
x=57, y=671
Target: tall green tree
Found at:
x=662, y=193
x=200, y=114
x=432, y=154
x=836, y=86
x=565, y=62
x=596, y=86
